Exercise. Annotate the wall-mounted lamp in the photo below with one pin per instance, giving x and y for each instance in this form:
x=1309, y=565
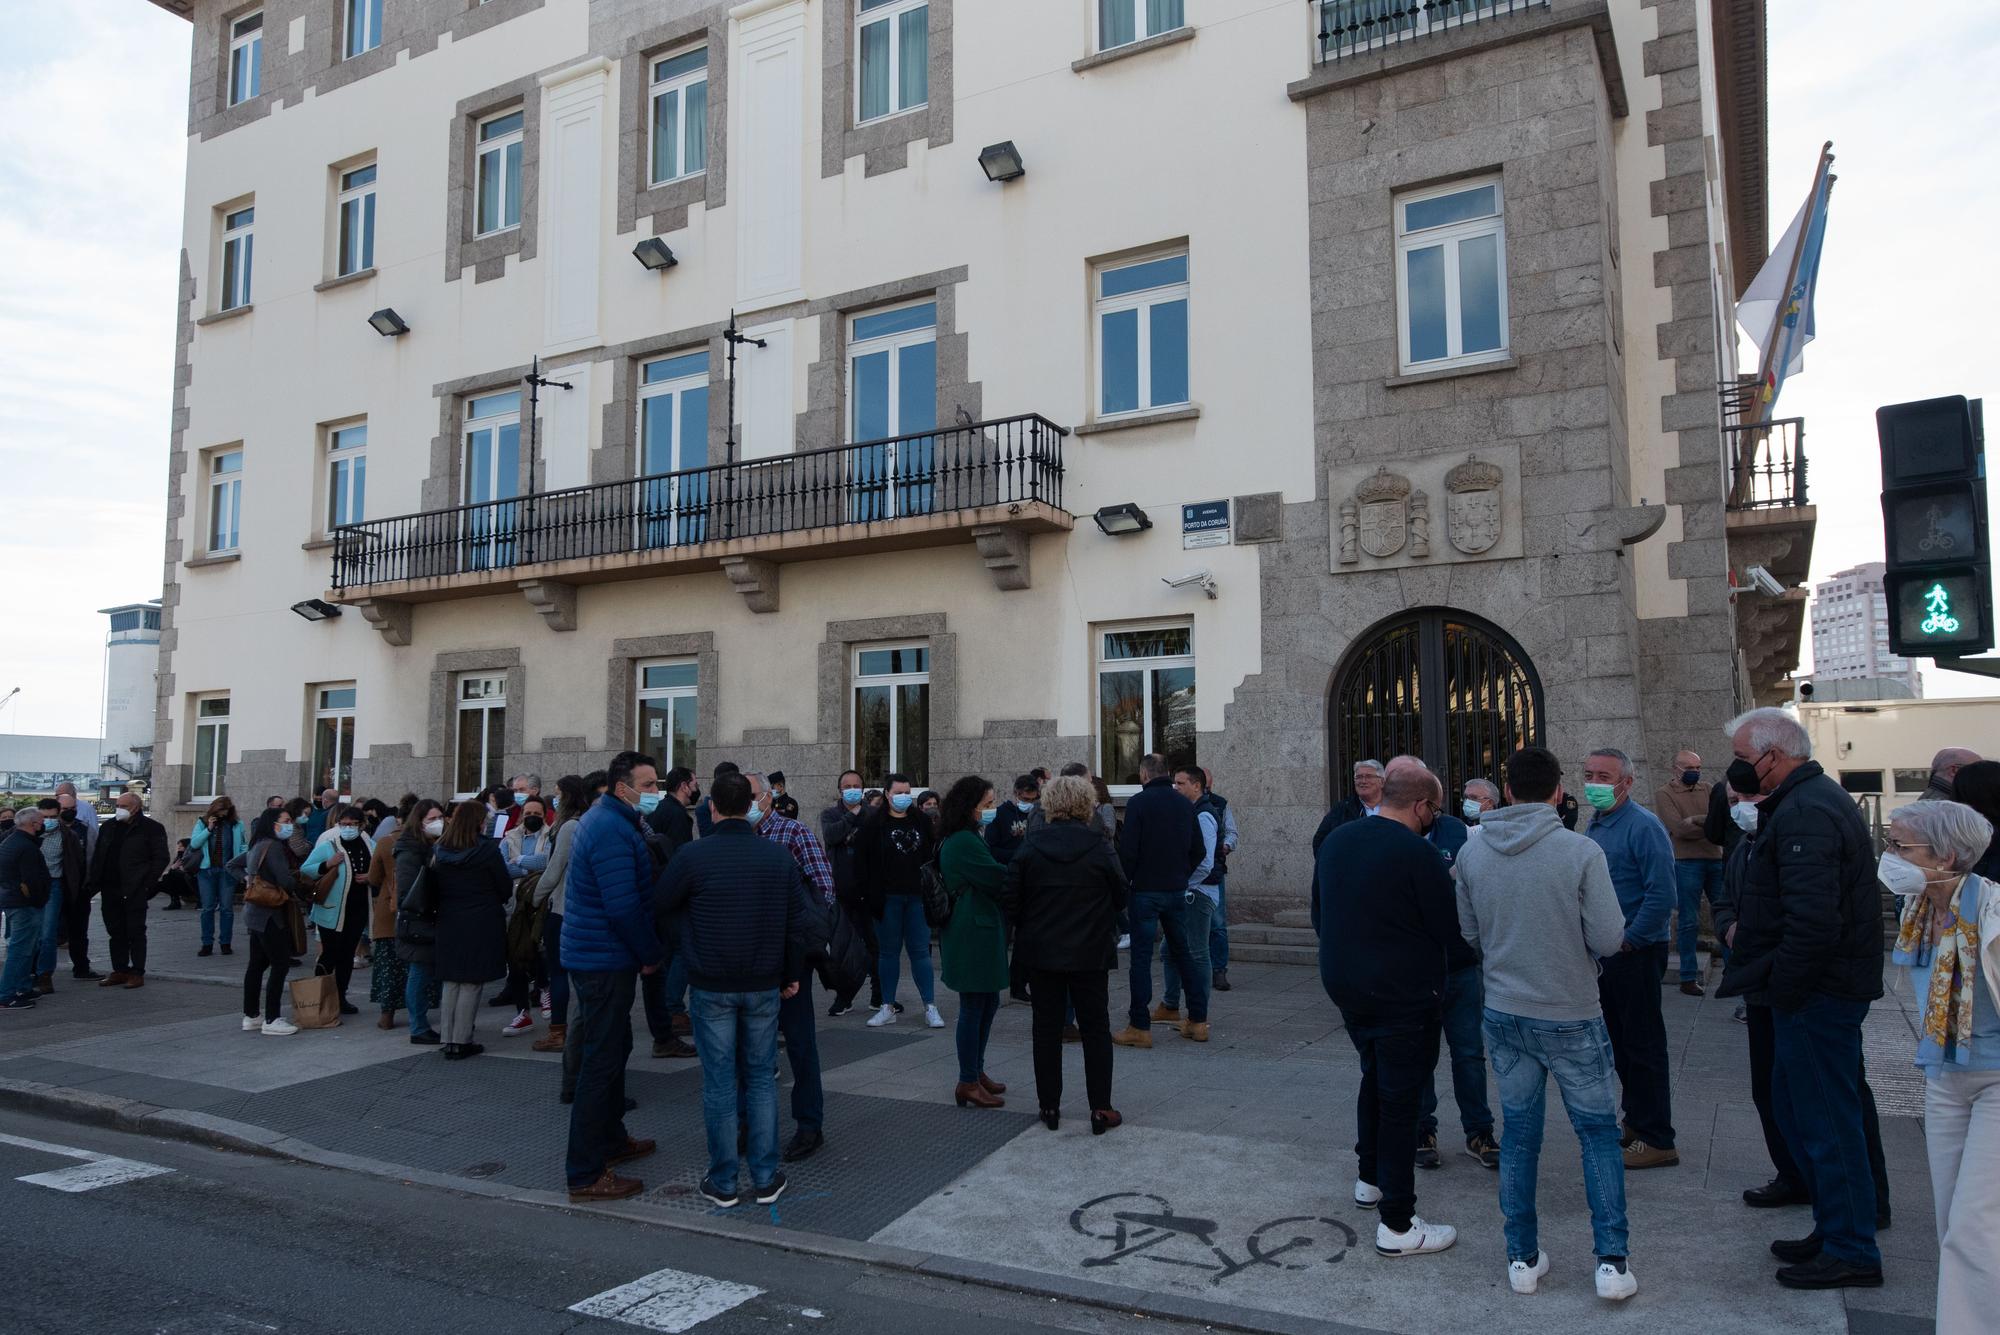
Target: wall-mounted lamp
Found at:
x=654, y=254
x=387, y=323
x=1002, y=161
x=316, y=609
x=1125, y=517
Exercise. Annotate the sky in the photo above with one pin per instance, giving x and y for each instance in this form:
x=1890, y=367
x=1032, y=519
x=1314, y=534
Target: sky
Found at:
x=90, y=215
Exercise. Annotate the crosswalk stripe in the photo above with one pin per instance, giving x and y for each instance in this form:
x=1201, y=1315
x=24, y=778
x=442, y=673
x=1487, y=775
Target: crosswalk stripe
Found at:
x=667, y=1300
x=96, y=1170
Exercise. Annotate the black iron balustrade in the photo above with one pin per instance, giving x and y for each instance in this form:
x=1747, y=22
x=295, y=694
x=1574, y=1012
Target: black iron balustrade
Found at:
x=1350, y=27
x=1767, y=464
x=1001, y=462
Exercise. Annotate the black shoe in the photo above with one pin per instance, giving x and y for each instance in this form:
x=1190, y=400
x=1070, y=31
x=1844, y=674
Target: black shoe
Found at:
x=231, y=950
x=452, y=1052
x=86, y=974
x=895, y=1006
x=1221, y=980
x=1483, y=1149
x=346, y=1009
x=631, y=1104
x=1797, y=1251
x=567, y=1096
x=1020, y=995
x=1742, y=1015
x=471, y=1049
x=838, y=1009
x=25, y=1001
x=1828, y=1272
x=775, y=1188
x=425, y=1040
x=204, y=952
x=1427, y=1151
x=804, y=1145
x=1775, y=1193
x=1882, y=1220
x=726, y=1197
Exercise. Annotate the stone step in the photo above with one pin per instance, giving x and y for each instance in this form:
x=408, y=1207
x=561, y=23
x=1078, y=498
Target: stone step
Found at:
x=1294, y=918
x=1266, y=934
x=1259, y=953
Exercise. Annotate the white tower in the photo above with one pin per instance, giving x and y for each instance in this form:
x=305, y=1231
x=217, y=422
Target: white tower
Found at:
x=131, y=662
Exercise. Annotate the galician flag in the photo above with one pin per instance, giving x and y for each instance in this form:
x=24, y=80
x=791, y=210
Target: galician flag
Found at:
x=1776, y=310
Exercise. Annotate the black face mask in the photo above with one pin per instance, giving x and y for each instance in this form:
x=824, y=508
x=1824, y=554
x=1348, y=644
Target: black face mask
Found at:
x=531, y=823
x=694, y=798
x=1690, y=777
x=1742, y=776
x=69, y=813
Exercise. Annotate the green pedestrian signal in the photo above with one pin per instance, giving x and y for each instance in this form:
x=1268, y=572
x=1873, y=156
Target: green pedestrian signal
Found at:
x=1937, y=606
x=1939, y=579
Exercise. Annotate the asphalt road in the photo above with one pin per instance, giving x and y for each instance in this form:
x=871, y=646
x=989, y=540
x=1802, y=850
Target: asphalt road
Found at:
x=119, y=1233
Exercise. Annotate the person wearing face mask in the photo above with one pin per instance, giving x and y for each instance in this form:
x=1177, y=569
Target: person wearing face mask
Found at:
x=416, y=919
x=1004, y=830
x=891, y=851
x=131, y=858
x=795, y=1013
x=346, y=849
x=1807, y=942
x=839, y=831
x=219, y=837
x=269, y=928
x=1161, y=845
x=1477, y=798
x=62, y=850
x=973, y=944
x=320, y=814
x=668, y=827
x=24, y=897
x=520, y=789
x=1682, y=807
x=526, y=848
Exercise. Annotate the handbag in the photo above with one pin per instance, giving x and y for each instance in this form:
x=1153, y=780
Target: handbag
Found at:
x=938, y=901
x=324, y=885
x=264, y=894
x=315, y=1002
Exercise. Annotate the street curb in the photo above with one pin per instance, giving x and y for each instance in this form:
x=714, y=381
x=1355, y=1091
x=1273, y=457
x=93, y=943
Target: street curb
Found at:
x=199, y=1128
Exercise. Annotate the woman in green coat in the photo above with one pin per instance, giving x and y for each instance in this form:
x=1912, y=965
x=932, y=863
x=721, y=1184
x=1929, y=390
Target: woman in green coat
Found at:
x=974, y=945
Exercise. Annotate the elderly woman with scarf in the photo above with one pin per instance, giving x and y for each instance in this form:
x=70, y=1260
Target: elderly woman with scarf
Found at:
x=1949, y=938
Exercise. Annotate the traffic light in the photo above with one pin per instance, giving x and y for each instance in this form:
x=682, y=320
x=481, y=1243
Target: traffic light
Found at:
x=1939, y=581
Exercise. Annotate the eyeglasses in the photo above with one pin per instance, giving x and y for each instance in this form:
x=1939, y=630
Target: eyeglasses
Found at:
x=1898, y=845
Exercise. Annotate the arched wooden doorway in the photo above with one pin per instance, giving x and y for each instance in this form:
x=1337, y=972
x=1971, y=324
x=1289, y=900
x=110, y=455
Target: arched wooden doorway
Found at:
x=1435, y=683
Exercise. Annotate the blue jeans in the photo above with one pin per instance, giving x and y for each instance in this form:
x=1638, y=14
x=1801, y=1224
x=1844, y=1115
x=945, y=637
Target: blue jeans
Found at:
x=795, y=1022
x=904, y=929
x=52, y=915
x=1464, y=999
x=600, y=1029
x=1693, y=877
x=1578, y=1054
x=733, y=1027
x=218, y=900
x=24, y=943
x=1185, y=926
x=975, y=1025
x=1218, y=948
x=417, y=989
x=1816, y=1094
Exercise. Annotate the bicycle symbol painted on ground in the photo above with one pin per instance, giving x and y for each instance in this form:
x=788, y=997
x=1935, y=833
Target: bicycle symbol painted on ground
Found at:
x=1144, y=1226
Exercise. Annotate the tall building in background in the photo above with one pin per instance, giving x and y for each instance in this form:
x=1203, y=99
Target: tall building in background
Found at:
x=1850, y=631
x=131, y=664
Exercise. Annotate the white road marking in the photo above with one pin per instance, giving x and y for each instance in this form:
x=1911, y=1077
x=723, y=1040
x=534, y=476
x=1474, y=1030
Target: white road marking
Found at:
x=96, y=1170
x=667, y=1300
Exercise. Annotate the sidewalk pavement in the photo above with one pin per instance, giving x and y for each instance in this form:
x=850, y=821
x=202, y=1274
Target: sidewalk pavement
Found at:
x=1224, y=1198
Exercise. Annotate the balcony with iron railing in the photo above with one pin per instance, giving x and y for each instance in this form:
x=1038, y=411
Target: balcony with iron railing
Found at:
x=992, y=484
x=1770, y=523
x=1349, y=28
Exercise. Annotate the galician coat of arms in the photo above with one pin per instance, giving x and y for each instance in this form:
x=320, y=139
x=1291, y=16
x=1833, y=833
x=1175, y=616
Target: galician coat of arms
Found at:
x=1472, y=505
x=1385, y=519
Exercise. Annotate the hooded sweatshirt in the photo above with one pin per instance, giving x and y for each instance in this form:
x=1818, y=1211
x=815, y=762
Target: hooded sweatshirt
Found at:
x=1537, y=901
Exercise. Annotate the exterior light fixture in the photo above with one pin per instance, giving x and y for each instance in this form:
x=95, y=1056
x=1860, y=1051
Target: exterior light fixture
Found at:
x=654, y=254
x=1002, y=161
x=1125, y=517
x=387, y=323
x=316, y=609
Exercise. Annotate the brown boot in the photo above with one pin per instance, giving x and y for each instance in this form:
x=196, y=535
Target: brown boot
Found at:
x=558, y=1035
x=1130, y=1037
x=631, y=1149
x=1165, y=1014
x=1195, y=1030
x=610, y=1187
x=45, y=984
x=133, y=980
x=113, y=980
x=973, y=1096
x=990, y=1085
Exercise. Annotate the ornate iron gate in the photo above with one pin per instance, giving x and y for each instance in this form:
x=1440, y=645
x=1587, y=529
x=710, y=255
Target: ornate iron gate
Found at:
x=1436, y=683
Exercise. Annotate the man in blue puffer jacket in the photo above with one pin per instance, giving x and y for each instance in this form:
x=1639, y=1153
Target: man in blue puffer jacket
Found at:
x=608, y=940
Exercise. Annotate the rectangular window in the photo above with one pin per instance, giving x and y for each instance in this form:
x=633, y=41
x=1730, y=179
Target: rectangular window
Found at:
x=346, y=476
x=1451, y=267
x=892, y=44
x=482, y=733
x=333, y=740
x=1121, y=22
x=246, y=58
x=238, y=238
x=357, y=220
x=492, y=472
x=211, y=747
x=1912, y=780
x=680, y=115
x=225, y=500
x=673, y=439
x=499, y=185
x=1145, y=700
x=364, y=26
x=892, y=712
x=1142, y=335
x=892, y=392
x=666, y=693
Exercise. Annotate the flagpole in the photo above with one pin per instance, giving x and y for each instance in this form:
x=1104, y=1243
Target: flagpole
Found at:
x=1767, y=403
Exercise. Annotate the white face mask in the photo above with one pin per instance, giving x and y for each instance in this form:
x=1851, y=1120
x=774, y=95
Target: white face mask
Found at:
x=1745, y=816
x=120, y=813
x=433, y=828
x=1899, y=875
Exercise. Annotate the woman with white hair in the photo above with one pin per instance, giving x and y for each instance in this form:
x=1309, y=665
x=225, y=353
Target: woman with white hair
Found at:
x=1949, y=936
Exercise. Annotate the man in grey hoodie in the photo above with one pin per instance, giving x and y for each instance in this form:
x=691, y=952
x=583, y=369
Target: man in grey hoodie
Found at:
x=1537, y=902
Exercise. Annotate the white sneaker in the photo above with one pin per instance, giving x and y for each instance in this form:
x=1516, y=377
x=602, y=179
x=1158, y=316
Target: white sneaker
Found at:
x=520, y=1024
x=279, y=1028
x=932, y=1018
x=887, y=1015
x=251, y=1024
x=1616, y=1284
x=1125, y=942
x=1366, y=1194
x=1522, y=1277
x=1420, y=1238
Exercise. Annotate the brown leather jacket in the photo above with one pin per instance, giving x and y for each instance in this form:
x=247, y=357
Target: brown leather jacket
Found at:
x=382, y=893
x=1684, y=811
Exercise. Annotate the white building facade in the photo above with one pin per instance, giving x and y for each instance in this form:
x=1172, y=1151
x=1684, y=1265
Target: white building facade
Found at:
x=1850, y=631
x=1391, y=371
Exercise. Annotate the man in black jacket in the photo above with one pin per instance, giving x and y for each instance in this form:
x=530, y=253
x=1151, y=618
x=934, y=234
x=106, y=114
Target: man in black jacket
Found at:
x=1362, y=801
x=24, y=898
x=1808, y=942
x=66, y=917
x=668, y=828
x=839, y=828
x=1160, y=845
x=1387, y=917
x=130, y=859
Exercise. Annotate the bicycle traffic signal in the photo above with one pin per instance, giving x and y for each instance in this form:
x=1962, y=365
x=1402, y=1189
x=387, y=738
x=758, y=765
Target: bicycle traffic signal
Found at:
x=1939, y=580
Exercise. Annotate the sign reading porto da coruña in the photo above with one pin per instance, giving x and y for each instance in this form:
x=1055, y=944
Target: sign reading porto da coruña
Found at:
x=1205, y=524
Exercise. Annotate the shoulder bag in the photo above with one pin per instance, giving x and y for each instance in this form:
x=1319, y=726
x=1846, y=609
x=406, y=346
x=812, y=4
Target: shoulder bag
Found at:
x=938, y=899
x=261, y=892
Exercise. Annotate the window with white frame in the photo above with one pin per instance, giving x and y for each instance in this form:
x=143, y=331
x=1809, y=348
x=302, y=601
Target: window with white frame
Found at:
x=364, y=26
x=211, y=747
x=1142, y=335
x=680, y=115
x=892, y=45
x=246, y=57
x=1145, y=699
x=892, y=392
x=333, y=739
x=498, y=188
x=892, y=712
x=666, y=696
x=238, y=241
x=673, y=440
x=346, y=475
x=1451, y=276
x=482, y=734
x=225, y=500
x=492, y=477
x=356, y=207
x=1122, y=22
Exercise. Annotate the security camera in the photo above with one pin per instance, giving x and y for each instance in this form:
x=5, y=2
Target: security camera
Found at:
x=1765, y=581
x=1200, y=578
